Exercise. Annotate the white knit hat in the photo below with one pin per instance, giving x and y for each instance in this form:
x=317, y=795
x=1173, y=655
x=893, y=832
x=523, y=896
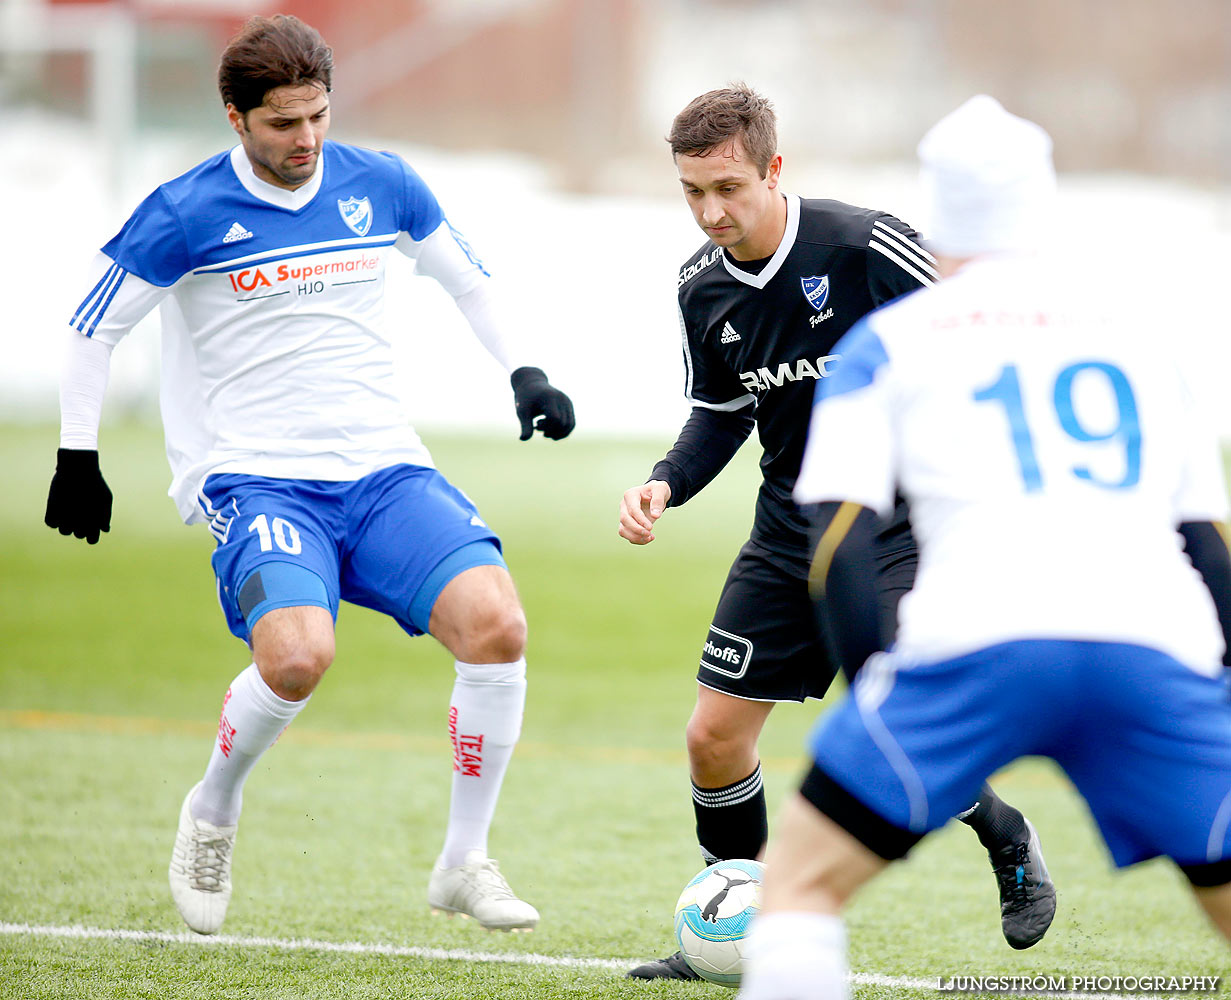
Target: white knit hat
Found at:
x=988, y=180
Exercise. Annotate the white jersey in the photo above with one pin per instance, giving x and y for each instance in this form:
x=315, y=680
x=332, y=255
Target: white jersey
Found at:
x=273, y=354
x=1048, y=448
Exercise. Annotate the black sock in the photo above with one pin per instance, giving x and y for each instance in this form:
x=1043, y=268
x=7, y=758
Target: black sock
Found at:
x=731, y=821
x=997, y=823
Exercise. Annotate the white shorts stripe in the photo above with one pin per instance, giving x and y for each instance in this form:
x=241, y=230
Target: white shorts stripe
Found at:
x=1218, y=831
x=219, y=522
x=872, y=687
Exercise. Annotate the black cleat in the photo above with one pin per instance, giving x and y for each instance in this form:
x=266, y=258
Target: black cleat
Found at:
x=1027, y=896
x=672, y=967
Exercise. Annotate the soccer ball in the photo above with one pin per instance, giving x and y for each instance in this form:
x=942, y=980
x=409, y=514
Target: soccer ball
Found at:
x=712, y=918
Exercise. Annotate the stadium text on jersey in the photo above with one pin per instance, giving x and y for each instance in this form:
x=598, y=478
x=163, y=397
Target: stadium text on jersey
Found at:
x=693, y=270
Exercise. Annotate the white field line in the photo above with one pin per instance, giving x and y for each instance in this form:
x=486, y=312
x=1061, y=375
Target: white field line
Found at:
x=438, y=954
x=308, y=944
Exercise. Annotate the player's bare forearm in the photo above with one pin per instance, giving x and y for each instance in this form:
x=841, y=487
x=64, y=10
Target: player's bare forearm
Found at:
x=640, y=507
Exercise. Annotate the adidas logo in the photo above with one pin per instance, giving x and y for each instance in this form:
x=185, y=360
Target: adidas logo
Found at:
x=729, y=336
x=236, y=233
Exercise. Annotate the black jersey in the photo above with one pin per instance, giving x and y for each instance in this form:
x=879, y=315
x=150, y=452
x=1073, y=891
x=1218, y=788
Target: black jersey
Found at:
x=764, y=339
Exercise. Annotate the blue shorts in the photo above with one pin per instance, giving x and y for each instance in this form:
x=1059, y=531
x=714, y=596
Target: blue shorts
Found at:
x=1146, y=740
x=390, y=541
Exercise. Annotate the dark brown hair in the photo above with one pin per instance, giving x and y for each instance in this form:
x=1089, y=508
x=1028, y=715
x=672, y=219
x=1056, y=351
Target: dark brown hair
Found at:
x=718, y=116
x=271, y=52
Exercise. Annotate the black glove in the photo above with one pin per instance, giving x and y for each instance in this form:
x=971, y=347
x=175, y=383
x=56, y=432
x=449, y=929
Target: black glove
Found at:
x=534, y=396
x=78, y=502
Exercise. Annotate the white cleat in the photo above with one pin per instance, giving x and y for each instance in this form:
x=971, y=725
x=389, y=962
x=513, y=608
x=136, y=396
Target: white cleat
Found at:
x=477, y=889
x=200, y=872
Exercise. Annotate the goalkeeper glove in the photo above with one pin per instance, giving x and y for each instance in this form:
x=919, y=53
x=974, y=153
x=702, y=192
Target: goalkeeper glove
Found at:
x=79, y=502
x=534, y=396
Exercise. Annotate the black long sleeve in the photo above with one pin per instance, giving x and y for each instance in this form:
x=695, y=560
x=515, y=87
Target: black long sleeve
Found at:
x=708, y=440
x=1207, y=549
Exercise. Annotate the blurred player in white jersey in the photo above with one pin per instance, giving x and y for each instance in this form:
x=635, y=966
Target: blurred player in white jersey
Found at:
x=286, y=435
x=1073, y=597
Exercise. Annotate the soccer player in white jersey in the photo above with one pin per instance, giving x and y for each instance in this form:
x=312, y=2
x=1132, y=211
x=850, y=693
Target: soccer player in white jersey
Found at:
x=286, y=436
x=1073, y=598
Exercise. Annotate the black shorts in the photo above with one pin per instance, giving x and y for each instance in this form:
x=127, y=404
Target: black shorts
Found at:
x=764, y=643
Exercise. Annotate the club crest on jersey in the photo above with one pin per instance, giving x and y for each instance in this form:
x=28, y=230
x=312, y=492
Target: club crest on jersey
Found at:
x=816, y=290
x=356, y=213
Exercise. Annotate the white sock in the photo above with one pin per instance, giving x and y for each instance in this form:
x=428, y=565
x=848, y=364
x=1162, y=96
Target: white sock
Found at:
x=253, y=717
x=801, y=956
x=485, y=717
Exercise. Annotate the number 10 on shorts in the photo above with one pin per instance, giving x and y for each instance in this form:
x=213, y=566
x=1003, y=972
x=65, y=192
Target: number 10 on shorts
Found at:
x=278, y=532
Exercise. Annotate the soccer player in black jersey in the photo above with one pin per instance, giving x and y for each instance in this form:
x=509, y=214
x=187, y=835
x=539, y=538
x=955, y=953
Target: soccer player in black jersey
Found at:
x=779, y=280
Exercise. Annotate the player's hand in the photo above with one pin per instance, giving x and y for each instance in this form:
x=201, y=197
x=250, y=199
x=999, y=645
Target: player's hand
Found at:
x=640, y=507
x=534, y=396
x=79, y=502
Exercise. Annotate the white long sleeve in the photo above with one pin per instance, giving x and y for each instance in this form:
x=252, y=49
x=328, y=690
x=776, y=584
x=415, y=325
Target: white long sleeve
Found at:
x=481, y=307
x=83, y=381
x=440, y=255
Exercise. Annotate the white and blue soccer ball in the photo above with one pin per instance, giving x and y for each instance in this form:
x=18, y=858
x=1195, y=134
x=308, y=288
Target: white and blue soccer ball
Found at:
x=713, y=915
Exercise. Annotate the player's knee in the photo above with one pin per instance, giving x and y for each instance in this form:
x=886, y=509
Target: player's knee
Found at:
x=495, y=634
x=293, y=669
x=711, y=742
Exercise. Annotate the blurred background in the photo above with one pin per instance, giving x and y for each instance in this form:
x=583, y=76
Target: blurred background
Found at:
x=540, y=125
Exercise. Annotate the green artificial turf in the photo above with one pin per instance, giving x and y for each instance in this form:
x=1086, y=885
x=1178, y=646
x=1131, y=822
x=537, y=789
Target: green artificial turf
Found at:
x=114, y=659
